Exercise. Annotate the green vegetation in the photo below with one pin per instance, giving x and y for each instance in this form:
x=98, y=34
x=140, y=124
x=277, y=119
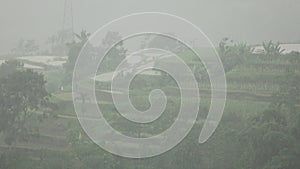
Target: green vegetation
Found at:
x=260, y=128
x=22, y=93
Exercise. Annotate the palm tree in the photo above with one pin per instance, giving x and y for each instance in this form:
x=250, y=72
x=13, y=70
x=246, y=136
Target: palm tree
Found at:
x=272, y=49
x=83, y=36
x=75, y=47
x=244, y=49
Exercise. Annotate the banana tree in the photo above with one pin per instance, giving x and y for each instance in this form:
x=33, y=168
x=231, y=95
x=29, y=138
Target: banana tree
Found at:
x=272, y=49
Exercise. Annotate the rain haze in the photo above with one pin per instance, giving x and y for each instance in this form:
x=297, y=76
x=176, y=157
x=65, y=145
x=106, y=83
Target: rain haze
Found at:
x=157, y=84
x=250, y=21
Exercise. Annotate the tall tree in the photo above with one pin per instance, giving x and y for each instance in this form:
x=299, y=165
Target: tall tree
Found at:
x=233, y=54
x=21, y=93
x=74, y=49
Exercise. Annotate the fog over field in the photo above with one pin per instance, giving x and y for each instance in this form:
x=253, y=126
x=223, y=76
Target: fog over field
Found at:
x=164, y=84
x=250, y=21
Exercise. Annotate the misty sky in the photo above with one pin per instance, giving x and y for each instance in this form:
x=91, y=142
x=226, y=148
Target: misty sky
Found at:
x=252, y=21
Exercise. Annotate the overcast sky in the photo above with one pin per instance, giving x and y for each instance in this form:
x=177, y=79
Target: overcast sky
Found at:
x=252, y=21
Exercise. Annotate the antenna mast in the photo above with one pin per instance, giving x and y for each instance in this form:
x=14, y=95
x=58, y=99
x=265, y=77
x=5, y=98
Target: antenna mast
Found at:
x=68, y=25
